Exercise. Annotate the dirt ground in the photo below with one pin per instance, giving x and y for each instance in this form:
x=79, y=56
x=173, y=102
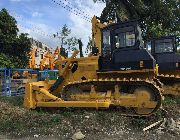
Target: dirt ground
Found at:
x=19, y=123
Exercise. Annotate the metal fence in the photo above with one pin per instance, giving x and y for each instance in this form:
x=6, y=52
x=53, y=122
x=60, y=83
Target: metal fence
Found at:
x=5, y=82
x=12, y=81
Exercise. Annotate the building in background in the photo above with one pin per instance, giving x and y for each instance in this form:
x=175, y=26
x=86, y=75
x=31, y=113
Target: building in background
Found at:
x=40, y=50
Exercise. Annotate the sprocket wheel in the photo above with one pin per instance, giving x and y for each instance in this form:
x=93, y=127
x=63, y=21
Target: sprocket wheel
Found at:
x=148, y=93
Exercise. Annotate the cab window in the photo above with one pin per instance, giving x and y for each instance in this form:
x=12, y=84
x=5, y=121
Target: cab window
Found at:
x=162, y=46
x=148, y=46
x=178, y=44
x=130, y=39
x=178, y=48
x=125, y=39
x=106, y=47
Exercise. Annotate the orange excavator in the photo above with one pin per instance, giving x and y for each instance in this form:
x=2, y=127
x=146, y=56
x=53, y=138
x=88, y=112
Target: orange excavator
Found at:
x=46, y=57
x=51, y=59
x=32, y=59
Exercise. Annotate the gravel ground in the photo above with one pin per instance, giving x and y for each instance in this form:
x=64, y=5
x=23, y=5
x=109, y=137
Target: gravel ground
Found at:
x=61, y=124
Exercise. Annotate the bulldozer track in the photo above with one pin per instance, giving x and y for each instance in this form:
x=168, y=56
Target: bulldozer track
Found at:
x=106, y=83
x=170, y=77
x=171, y=84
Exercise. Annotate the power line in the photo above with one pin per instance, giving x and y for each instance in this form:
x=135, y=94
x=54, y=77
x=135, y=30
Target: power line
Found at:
x=78, y=9
x=35, y=31
x=72, y=10
x=75, y=9
x=34, y=28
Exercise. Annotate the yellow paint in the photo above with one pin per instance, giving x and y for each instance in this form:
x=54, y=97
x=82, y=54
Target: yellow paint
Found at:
x=141, y=64
x=38, y=95
x=177, y=65
x=32, y=58
x=96, y=32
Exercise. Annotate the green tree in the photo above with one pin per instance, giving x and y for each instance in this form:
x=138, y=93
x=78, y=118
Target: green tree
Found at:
x=8, y=31
x=14, y=46
x=89, y=45
x=5, y=62
x=22, y=46
x=67, y=42
x=71, y=42
x=156, y=17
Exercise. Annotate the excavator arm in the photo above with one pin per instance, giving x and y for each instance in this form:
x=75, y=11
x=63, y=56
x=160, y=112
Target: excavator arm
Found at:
x=52, y=59
x=47, y=56
x=32, y=59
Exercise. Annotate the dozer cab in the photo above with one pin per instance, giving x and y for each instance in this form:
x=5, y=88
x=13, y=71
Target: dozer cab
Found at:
x=166, y=52
x=118, y=72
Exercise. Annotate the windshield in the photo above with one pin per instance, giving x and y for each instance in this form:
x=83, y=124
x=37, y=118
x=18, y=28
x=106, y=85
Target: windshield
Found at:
x=125, y=39
x=106, y=48
x=148, y=46
x=178, y=44
x=162, y=46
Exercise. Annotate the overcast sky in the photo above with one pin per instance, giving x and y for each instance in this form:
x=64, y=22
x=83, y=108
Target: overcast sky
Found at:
x=42, y=18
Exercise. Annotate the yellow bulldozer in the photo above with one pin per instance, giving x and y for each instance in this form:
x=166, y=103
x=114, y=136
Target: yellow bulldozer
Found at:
x=166, y=52
x=118, y=72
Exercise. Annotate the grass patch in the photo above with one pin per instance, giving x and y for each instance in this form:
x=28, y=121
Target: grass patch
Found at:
x=15, y=100
x=8, y=125
x=15, y=119
x=139, y=122
x=171, y=100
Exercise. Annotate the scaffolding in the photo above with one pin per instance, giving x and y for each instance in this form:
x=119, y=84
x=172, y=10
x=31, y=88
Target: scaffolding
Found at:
x=12, y=81
x=5, y=82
